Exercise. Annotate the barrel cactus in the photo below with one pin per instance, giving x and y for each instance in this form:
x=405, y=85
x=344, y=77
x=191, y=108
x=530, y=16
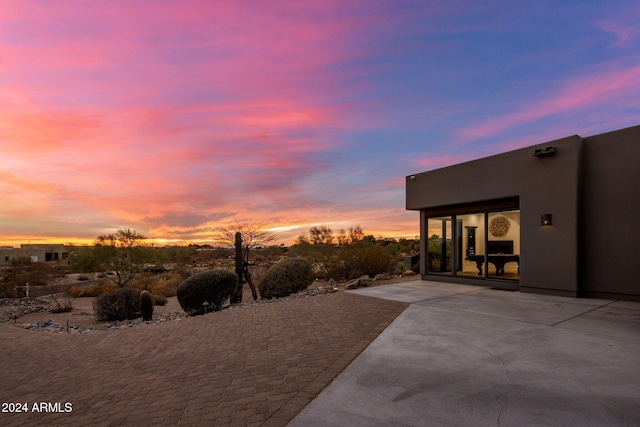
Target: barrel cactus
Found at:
x=146, y=305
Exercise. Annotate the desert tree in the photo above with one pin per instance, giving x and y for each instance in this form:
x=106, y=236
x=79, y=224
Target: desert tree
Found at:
x=321, y=235
x=355, y=233
x=122, y=253
x=320, y=246
x=302, y=240
x=347, y=255
x=342, y=237
x=252, y=235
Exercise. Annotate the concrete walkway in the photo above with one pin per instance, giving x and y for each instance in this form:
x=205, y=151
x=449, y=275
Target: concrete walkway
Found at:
x=473, y=356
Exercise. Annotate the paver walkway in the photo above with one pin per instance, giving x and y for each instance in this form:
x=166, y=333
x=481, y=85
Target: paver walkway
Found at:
x=258, y=365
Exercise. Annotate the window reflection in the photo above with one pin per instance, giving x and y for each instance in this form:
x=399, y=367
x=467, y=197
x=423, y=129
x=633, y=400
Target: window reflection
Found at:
x=440, y=245
x=471, y=244
x=503, y=245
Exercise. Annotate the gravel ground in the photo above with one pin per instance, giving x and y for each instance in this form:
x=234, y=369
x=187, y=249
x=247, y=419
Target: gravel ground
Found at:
x=29, y=314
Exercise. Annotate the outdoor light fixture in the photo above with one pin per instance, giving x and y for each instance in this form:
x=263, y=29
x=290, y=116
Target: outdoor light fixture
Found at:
x=545, y=219
x=412, y=177
x=545, y=152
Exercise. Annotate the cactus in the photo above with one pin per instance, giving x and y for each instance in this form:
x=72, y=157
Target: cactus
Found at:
x=236, y=295
x=146, y=305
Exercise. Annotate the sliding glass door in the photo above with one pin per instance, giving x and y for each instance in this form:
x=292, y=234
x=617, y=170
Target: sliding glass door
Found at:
x=440, y=245
x=471, y=244
x=481, y=245
x=503, y=244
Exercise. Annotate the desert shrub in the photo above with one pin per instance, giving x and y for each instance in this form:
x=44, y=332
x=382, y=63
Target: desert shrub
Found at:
x=213, y=287
x=180, y=272
x=89, y=291
x=118, y=304
x=7, y=290
x=59, y=302
x=21, y=271
x=159, y=284
x=286, y=277
x=72, y=291
x=323, y=257
x=399, y=268
x=359, y=259
x=364, y=259
x=142, y=281
x=167, y=285
x=159, y=299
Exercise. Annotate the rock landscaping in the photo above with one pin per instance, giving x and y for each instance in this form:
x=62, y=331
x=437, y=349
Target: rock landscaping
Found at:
x=33, y=314
x=14, y=309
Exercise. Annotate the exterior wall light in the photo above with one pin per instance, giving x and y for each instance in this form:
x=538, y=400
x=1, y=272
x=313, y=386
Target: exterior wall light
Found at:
x=412, y=177
x=545, y=219
x=544, y=152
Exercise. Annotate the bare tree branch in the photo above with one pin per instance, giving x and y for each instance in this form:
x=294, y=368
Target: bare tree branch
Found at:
x=253, y=235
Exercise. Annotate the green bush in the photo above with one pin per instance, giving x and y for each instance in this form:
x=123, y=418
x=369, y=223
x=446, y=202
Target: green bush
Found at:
x=286, y=277
x=364, y=259
x=119, y=304
x=213, y=287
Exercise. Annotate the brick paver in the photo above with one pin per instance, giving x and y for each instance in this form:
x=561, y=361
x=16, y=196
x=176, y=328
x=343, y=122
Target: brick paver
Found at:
x=259, y=365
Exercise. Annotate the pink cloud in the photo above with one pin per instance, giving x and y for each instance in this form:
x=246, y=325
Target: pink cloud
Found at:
x=622, y=23
x=616, y=83
x=623, y=32
x=31, y=130
x=175, y=116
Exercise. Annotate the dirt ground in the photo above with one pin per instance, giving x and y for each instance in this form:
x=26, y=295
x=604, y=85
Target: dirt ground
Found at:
x=82, y=315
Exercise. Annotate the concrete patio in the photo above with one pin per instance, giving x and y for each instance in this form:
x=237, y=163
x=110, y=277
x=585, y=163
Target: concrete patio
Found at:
x=472, y=356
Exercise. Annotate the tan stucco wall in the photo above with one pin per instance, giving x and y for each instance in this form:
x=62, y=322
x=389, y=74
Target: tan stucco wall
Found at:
x=33, y=250
x=591, y=187
x=611, y=214
x=548, y=255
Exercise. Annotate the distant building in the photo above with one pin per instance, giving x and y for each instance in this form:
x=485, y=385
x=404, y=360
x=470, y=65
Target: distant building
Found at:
x=36, y=252
x=556, y=218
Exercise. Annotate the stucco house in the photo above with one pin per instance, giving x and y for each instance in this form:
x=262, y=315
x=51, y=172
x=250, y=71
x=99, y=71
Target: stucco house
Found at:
x=561, y=217
x=35, y=252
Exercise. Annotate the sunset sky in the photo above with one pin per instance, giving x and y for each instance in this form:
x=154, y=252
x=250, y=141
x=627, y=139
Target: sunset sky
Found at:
x=176, y=117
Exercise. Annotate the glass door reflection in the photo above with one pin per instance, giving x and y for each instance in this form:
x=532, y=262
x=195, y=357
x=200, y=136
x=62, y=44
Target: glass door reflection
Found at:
x=440, y=245
x=470, y=258
x=503, y=245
